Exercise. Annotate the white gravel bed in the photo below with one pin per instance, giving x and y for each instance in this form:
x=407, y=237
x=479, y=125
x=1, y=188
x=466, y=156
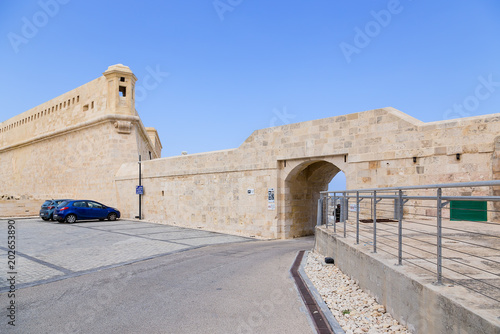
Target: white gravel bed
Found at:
x=355, y=310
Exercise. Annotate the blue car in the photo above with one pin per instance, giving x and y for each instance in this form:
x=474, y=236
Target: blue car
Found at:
x=71, y=211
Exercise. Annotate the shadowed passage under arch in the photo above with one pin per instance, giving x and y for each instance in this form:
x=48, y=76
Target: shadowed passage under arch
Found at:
x=303, y=185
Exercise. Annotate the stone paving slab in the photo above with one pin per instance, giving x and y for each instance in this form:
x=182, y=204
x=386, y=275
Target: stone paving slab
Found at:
x=47, y=251
x=32, y=269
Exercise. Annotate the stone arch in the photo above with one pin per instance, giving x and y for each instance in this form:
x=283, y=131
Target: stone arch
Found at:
x=303, y=180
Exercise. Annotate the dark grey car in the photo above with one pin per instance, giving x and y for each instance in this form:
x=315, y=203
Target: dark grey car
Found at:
x=48, y=208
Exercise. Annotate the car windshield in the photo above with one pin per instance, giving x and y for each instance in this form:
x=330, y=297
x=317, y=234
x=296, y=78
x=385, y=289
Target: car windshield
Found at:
x=46, y=203
x=63, y=204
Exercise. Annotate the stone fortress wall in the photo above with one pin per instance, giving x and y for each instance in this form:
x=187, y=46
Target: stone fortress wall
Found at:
x=85, y=144
x=374, y=148
x=72, y=145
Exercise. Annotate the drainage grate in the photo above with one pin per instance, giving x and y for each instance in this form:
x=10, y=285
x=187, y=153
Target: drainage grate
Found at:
x=320, y=322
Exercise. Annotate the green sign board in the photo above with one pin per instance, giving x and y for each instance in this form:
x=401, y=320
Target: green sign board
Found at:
x=475, y=211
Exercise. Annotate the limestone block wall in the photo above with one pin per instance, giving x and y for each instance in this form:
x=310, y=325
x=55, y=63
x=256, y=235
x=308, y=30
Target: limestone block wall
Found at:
x=376, y=148
x=204, y=190
x=79, y=164
x=380, y=145
x=435, y=146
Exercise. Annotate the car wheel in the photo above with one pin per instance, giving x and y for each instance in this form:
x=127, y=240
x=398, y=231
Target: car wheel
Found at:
x=45, y=218
x=112, y=216
x=70, y=219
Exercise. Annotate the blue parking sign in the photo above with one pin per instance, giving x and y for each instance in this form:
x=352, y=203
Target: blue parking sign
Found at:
x=139, y=190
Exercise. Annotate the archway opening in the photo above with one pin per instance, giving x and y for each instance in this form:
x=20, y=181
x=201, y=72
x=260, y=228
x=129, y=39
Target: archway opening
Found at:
x=303, y=186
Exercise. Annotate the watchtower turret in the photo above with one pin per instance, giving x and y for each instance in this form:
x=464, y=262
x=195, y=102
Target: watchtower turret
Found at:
x=121, y=87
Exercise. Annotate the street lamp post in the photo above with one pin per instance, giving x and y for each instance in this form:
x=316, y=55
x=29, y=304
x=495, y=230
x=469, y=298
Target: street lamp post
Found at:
x=140, y=192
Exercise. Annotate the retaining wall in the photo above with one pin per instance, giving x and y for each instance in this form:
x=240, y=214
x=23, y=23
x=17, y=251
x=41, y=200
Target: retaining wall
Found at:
x=414, y=301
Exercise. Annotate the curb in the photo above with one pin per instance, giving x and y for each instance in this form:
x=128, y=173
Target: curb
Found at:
x=19, y=218
x=335, y=326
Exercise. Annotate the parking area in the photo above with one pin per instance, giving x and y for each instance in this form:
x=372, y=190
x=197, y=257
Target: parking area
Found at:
x=49, y=251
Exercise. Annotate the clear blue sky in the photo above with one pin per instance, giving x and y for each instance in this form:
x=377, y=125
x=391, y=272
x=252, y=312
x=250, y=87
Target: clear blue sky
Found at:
x=235, y=66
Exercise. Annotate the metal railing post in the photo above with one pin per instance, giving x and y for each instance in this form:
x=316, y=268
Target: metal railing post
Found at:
x=357, y=217
x=328, y=200
x=400, y=227
x=439, y=237
x=345, y=213
x=319, y=218
x=374, y=221
x=335, y=210
x=396, y=206
x=325, y=209
x=341, y=218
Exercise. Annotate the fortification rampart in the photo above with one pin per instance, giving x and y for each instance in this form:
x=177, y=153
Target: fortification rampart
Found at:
x=86, y=143
x=72, y=145
x=228, y=190
x=76, y=106
x=207, y=190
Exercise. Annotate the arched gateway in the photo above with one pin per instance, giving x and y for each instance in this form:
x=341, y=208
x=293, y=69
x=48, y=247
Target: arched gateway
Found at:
x=303, y=181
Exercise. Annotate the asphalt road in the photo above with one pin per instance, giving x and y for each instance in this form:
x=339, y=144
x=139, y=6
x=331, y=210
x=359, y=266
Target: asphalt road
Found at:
x=227, y=288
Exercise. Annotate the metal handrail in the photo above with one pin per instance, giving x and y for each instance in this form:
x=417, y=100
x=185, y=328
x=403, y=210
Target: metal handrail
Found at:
x=430, y=198
x=401, y=198
x=427, y=186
